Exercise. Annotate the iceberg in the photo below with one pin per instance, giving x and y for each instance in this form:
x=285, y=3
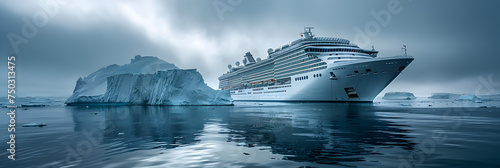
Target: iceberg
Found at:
x=492, y=97
x=470, y=98
x=35, y=125
x=172, y=87
x=94, y=86
x=444, y=96
x=33, y=101
x=146, y=81
x=399, y=96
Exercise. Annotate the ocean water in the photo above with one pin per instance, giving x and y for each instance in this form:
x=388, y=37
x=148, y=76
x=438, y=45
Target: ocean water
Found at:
x=252, y=134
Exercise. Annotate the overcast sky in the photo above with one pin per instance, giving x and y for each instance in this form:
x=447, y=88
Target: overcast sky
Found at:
x=454, y=42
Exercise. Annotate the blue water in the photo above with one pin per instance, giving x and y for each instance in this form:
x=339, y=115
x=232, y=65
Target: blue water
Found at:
x=256, y=135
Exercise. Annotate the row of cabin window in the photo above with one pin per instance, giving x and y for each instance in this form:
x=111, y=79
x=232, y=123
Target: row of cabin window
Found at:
x=317, y=75
x=367, y=70
x=333, y=50
x=298, y=72
x=311, y=57
x=301, y=78
x=284, y=71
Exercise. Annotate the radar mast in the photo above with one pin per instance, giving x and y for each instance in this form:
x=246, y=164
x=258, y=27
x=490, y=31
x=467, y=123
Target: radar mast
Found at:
x=307, y=32
x=404, y=48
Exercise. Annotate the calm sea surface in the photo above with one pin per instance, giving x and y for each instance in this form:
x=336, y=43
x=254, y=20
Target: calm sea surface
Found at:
x=255, y=135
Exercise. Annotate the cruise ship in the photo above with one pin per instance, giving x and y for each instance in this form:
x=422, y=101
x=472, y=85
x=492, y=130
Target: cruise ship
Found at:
x=313, y=69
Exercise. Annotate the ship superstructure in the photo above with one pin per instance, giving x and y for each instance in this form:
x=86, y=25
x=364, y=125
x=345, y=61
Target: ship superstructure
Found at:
x=313, y=69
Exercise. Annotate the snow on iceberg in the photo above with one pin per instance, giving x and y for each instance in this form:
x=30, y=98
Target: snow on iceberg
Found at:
x=146, y=81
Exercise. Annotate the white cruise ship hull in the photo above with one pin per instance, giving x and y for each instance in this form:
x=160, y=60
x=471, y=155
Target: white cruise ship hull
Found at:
x=355, y=81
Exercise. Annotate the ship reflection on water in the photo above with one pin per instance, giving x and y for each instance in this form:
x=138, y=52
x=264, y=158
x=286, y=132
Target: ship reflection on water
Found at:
x=327, y=133
x=277, y=133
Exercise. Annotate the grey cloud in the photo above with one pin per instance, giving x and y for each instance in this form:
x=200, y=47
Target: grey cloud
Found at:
x=451, y=40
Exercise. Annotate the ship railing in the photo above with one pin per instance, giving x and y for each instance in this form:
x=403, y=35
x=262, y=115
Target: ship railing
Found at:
x=403, y=56
x=292, y=46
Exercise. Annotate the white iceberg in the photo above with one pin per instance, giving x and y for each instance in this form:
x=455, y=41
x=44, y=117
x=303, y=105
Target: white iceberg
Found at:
x=473, y=98
x=399, y=96
x=33, y=101
x=35, y=125
x=94, y=85
x=493, y=97
x=146, y=81
x=172, y=87
x=468, y=98
x=444, y=96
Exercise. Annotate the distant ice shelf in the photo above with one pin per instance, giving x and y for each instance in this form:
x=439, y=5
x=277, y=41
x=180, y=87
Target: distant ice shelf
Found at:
x=444, y=96
x=399, y=96
x=146, y=81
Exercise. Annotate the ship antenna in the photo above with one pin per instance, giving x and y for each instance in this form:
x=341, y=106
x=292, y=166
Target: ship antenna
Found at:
x=308, y=29
x=404, y=48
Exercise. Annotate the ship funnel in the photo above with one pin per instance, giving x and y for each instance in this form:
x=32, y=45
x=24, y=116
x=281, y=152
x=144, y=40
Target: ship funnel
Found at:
x=248, y=59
